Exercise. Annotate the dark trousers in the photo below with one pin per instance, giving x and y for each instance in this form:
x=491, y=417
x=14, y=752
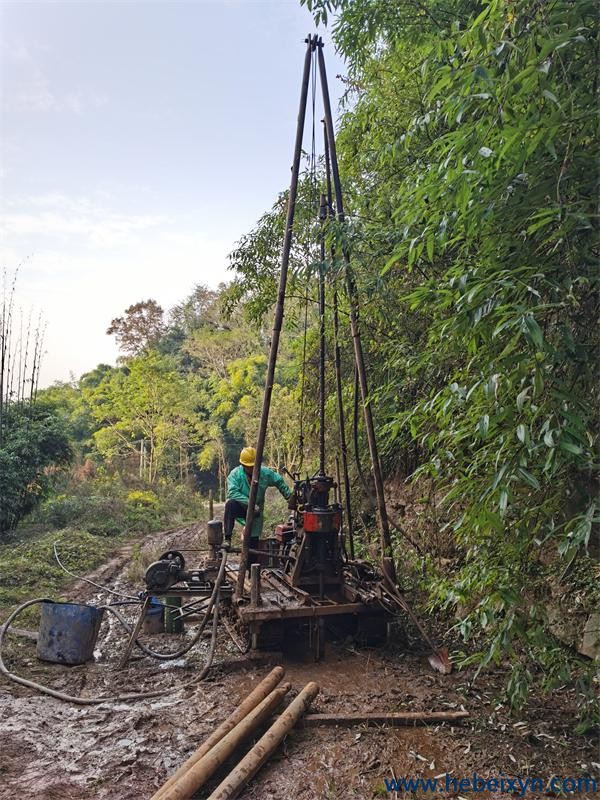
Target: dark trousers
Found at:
x=233, y=510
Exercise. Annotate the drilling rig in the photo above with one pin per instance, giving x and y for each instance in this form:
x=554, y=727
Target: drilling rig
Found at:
x=307, y=573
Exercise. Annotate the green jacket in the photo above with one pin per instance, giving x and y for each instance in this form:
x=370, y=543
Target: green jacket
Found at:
x=238, y=488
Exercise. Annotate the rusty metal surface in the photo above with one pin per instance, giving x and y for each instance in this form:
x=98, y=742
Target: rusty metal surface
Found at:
x=68, y=632
x=272, y=611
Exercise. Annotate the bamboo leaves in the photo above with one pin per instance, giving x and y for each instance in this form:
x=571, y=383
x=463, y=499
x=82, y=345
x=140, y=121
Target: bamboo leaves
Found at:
x=471, y=155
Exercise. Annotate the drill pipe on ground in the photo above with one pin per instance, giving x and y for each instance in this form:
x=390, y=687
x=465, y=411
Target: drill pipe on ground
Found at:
x=197, y=775
x=266, y=746
x=258, y=694
x=393, y=718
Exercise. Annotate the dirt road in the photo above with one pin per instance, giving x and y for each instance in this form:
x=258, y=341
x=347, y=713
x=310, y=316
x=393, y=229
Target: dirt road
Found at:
x=124, y=751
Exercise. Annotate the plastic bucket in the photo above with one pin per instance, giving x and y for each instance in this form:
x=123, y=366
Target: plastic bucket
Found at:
x=154, y=617
x=68, y=632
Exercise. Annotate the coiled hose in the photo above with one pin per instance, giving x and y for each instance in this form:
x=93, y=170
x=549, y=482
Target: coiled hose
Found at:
x=213, y=604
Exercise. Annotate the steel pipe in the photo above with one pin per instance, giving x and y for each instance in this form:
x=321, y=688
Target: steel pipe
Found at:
x=311, y=42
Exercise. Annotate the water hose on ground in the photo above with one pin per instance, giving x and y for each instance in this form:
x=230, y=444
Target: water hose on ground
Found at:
x=53, y=692
x=213, y=604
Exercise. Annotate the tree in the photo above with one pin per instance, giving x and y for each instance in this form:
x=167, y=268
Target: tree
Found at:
x=66, y=401
x=199, y=309
x=472, y=190
x=92, y=378
x=33, y=436
x=35, y=443
x=226, y=423
x=146, y=410
x=139, y=329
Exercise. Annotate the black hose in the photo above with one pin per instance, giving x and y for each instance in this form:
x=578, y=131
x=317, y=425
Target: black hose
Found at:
x=213, y=602
x=213, y=638
x=53, y=692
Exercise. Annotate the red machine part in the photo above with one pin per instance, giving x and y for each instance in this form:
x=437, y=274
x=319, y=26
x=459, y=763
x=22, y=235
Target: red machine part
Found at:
x=322, y=521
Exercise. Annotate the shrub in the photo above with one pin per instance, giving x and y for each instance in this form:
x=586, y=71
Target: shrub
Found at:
x=142, y=499
x=33, y=445
x=143, y=520
x=60, y=511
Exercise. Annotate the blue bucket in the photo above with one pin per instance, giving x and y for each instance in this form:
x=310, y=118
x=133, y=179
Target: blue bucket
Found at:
x=154, y=617
x=68, y=632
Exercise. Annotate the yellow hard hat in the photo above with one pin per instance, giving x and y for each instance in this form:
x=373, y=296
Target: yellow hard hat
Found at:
x=248, y=457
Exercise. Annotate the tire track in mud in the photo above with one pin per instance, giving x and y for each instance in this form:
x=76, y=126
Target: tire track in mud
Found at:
x=124, y=751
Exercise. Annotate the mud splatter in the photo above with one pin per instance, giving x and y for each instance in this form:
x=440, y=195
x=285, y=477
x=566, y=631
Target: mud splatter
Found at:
x=112, y=751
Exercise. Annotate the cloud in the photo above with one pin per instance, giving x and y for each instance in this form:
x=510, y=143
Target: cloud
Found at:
x=26, y=87
x=86, y=264
x=57, y=216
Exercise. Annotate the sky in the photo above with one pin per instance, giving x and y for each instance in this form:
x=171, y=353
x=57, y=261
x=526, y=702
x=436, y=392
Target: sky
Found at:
x=138, y=142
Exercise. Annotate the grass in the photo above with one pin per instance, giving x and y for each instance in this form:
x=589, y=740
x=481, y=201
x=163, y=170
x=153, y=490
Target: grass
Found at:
x=28, y=568
x=88, y=526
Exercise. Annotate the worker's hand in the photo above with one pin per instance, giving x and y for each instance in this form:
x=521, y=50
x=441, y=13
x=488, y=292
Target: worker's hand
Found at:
x=256, y=511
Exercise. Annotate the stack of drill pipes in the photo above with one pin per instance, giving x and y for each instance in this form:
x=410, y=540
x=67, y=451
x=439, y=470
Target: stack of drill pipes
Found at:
x=266, y=746
x=246, y=706
x=193, y=778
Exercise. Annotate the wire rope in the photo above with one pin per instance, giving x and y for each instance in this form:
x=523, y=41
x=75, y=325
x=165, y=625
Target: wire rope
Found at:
x=87, y=580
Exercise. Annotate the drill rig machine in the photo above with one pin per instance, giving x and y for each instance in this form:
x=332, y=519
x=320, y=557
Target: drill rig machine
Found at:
x=306, y=573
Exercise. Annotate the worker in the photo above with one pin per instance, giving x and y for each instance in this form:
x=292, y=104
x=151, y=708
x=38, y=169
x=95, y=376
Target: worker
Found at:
x=238, y=493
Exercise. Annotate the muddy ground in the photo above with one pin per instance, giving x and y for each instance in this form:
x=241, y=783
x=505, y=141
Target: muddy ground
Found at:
x=51, y=750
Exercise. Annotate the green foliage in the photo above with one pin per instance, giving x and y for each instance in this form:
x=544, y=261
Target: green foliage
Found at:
x=145, y=412
x=34, y=444
x=256, y=258
x=177, y=413
x=66, y=401
x=99, y=515
x=502, y=210
x=472, y=187
x=107, y=508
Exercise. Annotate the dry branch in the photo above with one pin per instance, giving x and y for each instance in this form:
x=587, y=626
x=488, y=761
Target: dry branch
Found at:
x=394, y=718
